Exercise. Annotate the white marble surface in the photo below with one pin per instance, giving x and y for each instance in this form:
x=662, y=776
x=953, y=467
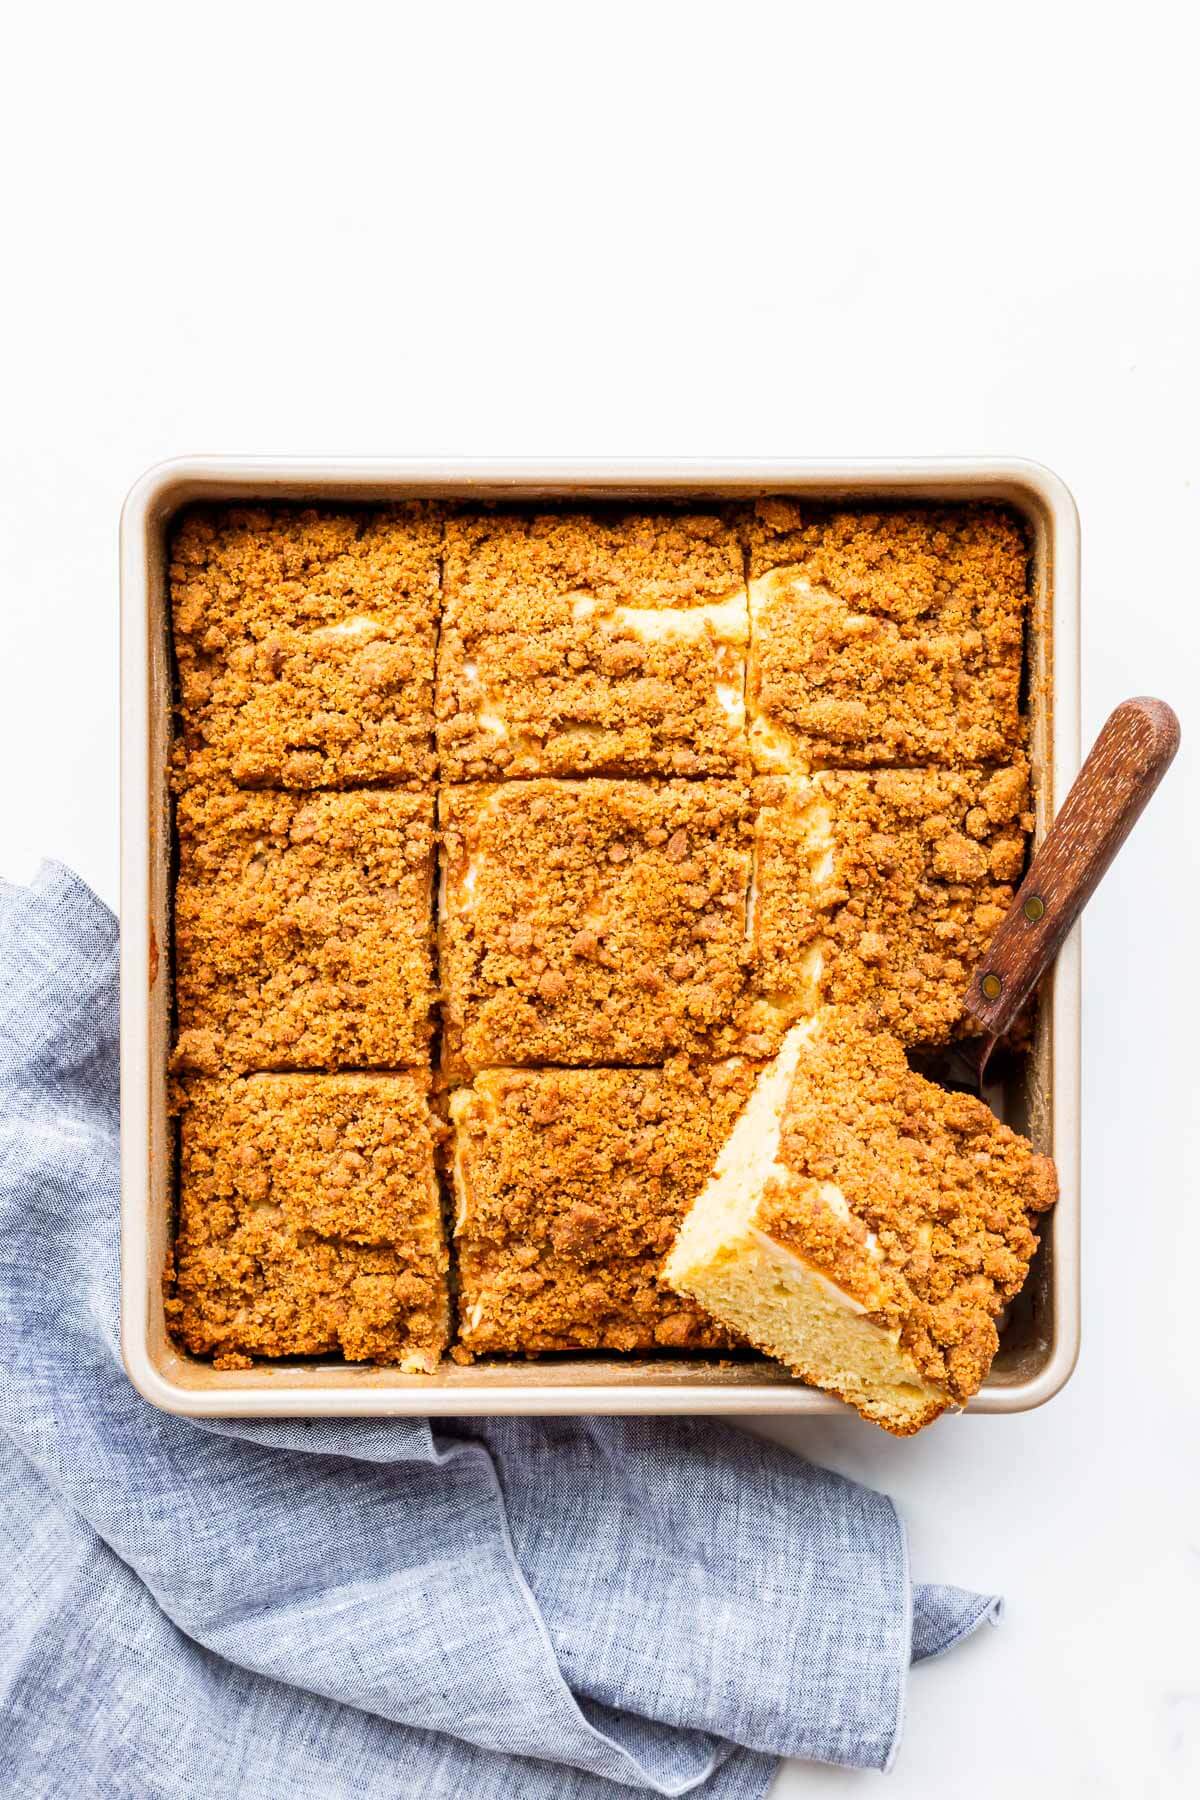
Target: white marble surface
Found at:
x=669, y=229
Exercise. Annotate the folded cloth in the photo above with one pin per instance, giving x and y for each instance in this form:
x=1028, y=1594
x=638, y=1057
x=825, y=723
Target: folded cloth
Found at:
x=498, y=1609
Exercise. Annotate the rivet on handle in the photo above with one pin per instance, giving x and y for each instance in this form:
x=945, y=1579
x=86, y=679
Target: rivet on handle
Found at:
x=1034, y=907
x=992, y=986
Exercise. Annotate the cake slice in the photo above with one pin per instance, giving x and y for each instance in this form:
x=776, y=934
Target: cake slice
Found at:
x=590, y=921
x=877, y=888
x=303, y=937
x=864, y=1225
x=592, y=644
x=310, y=1221
x=304, y=645
x=884, y=638
x=569, y=1187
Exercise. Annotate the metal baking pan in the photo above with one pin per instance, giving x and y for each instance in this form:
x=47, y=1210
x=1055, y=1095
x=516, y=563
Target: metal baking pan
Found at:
x=1040, y=1339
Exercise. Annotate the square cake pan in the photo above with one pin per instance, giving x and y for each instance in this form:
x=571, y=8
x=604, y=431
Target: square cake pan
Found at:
x=1040, y=1339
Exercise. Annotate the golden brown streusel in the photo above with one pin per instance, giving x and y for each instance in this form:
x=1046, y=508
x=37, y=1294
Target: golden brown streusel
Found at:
x=304, y=642
x=303, y=935
x=940, y=1196
x=881, y=889
x=569, y=1185
x=591, y=921
x=310, y=1220
x=884, y=638
x=581, y=644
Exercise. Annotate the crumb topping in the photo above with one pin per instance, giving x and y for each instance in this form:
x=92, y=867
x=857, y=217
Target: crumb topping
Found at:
x=934, y=1229
x=304, y=642
x=576, y=644
x=310, y=1220
x=591, y=922
x=635, y=559
x=884, y=638
x=303, y=930
x=570, y=1185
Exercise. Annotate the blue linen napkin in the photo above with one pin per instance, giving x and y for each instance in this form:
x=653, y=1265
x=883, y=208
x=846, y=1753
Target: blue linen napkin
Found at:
x=498, y=1609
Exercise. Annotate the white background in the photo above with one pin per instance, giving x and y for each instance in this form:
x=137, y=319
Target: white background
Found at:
x=682, y=229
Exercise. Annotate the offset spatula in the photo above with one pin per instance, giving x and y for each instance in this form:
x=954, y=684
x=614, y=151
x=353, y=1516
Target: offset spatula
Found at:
x=1128, y=760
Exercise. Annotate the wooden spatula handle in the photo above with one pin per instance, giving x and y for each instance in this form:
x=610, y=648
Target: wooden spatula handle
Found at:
x=1128, y=760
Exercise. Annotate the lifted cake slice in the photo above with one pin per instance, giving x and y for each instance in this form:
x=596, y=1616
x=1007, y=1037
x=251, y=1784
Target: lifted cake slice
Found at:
x=864, y=1225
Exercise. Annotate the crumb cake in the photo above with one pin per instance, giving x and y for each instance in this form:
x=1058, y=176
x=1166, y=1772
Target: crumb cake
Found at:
x=703, y=782
x=884, y=638
x=864, y=1225
x=581, y=644
x=303, y=930
x=310, y=1221
x=590, y=921
x=878, y=887
x=304, y=643
x=569, y=1186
